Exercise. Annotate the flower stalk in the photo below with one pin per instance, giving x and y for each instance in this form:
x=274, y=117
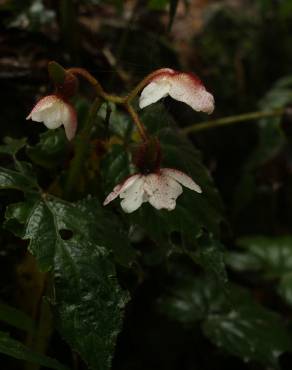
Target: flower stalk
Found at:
x=137, y=121
x=226, y=121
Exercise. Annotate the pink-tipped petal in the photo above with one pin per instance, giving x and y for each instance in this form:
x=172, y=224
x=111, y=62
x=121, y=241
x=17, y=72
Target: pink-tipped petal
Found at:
x=69, y=119
x=42, y=105
x=188, y=89
x=162, y=191
x=182, y=178
x=153, y=92
x=120, y=188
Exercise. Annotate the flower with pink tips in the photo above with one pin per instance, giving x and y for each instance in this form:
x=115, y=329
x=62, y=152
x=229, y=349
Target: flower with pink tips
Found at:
x=181, y=86
x=160, y=189
x=54, y=112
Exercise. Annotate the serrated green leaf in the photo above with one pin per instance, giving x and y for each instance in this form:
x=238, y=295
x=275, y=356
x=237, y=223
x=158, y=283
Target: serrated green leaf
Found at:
x=76, y=241
x=13, y=348
x=89, y=301
x=50, y=151
x=16, y=318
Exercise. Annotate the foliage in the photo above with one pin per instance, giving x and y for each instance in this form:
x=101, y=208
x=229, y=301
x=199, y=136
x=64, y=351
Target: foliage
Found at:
x=207, y=285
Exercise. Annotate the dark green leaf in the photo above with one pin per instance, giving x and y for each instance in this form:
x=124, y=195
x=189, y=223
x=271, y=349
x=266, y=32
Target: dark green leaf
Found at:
x=172, y=11
x=157, y=4
x=13, y=348
x=191, y=299
x=233, y=321
x=285, y=288
x=12, y=146
x=249, y=332
x=76, y=241
x=209, y=254
x=50, y=151
x=274, y=255
x=10, y=179
x=56, y=72
x=16, y=318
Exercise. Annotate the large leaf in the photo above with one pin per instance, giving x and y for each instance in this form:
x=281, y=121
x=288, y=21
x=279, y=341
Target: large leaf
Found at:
x=271, y=256
x=13, y=348
x=249, y=332
x=73, y=241
x=16, y=318
x=233, y=322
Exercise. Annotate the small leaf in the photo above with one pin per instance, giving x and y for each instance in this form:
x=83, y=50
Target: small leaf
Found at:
x=172, y=11
x=56, y=72
x=50, y=151
x=12, y=146
x=13, y=348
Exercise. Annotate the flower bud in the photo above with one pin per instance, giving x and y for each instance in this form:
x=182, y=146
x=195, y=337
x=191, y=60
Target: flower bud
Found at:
x=147, y=156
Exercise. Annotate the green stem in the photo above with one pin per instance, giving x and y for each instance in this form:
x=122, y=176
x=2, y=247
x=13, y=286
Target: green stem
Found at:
x=81, y=149
x=138, y=123
x=125, y=101
x=231, y=120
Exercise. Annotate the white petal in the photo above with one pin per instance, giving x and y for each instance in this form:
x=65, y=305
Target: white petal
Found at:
x=162, y=191
x=42, y=105
x=154, y=92
x=188, y=89
x=182, y=178
x=52, y=117
x=69, y=120
x=133, y=196
x=120, y=188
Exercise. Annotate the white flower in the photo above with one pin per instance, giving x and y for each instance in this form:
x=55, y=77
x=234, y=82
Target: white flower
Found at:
x=160, y=189
x=53, y=111
x=184, y=87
